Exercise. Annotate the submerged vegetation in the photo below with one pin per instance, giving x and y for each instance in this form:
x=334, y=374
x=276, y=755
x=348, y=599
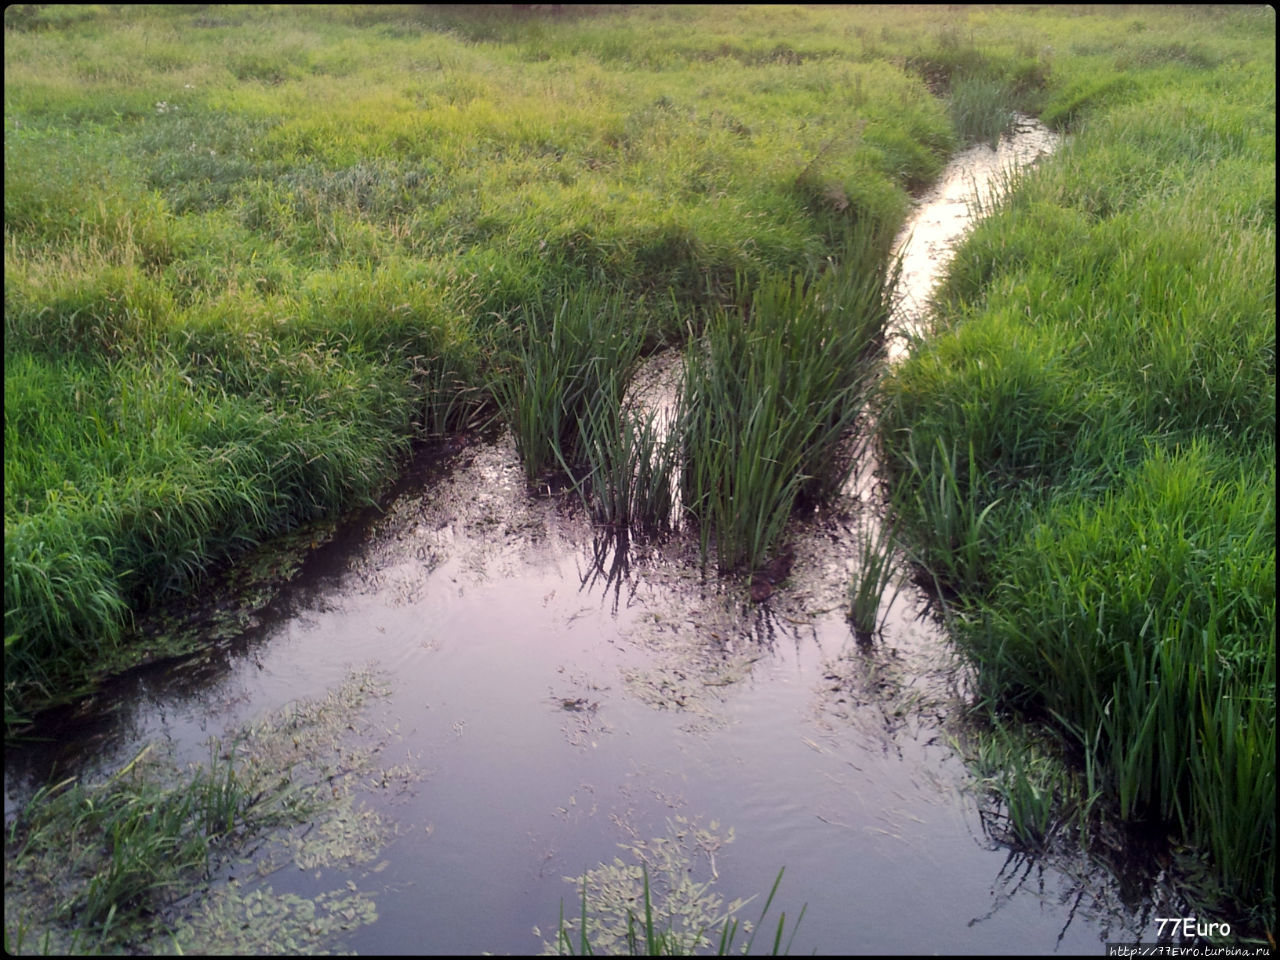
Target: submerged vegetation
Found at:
x=252, y=253
x=627, y=909
x=110, y=865
x=126, y=843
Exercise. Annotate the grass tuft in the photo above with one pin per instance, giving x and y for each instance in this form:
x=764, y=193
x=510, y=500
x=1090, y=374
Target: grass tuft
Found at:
x=878, y=569
x=981, y=110
x=771, y=394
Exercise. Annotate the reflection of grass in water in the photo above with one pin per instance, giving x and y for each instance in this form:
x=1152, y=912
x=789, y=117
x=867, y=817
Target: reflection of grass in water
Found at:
x=653, y=907
x=101, y=866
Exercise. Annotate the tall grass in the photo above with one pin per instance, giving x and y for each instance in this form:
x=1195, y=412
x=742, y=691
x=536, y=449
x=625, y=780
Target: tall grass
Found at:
x=1154, y=623
x=878, y=569
x=237, y=286
x=771, y=394
x=130, y=482
x=981, y=109
x=948, y=513
x=572, y=364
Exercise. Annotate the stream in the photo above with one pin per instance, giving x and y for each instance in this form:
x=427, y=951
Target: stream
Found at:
x=551, y=699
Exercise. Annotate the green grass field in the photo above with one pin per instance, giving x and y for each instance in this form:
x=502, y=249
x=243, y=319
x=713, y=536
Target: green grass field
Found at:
x=252, y=253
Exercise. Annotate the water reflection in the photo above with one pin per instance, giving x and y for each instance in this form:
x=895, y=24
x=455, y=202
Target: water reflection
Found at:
x=928, y=241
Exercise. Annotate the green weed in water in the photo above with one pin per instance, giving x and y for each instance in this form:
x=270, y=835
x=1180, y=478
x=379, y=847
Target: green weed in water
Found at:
x=128, y=843
x=654, y=908
x=771, y=394
x=136, y=861
x=878, y=569
x=648, y=938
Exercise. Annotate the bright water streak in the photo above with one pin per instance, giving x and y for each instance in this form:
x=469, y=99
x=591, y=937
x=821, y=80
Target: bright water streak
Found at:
x=944, y=214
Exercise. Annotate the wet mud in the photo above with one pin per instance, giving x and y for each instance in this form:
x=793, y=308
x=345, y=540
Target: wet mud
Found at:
x=561, y=702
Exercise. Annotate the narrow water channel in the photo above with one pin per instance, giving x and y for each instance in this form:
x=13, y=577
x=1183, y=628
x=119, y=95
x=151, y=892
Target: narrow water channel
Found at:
x=554, y=698
x=943, y=214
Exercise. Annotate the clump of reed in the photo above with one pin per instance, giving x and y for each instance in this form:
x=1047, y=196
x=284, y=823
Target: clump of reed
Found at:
x=1034, y=794
x=877, y=571
x=981, y=109
x=948, y=516
x=630, y=463
x=568, y=361
x=771, y=393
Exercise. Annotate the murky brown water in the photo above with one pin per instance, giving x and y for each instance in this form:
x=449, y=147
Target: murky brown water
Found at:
x=561, y=695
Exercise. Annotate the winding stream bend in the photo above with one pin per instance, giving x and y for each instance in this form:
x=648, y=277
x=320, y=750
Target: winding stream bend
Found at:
x=551, y=695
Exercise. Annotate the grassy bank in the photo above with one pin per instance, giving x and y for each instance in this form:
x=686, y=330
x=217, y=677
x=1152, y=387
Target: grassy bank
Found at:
x=1084, y=453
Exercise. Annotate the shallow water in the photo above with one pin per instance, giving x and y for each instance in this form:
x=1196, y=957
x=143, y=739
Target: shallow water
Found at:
x=559, y=694
x=944, y=213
